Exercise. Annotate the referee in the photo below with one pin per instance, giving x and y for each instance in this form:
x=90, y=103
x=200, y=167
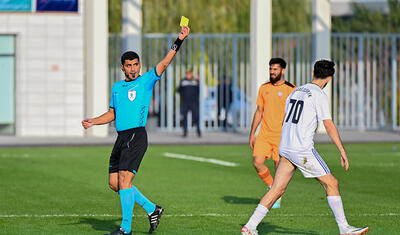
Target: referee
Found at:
x=129, y=106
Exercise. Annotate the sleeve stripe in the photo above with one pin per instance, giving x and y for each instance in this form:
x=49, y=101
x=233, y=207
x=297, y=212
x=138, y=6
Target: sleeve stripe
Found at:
x=289, y=84
x=155, y=71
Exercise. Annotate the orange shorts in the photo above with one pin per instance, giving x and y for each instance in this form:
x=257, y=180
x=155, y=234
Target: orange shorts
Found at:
x=267, y=147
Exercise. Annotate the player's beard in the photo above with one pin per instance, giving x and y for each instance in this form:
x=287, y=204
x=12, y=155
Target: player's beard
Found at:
x=276, y=79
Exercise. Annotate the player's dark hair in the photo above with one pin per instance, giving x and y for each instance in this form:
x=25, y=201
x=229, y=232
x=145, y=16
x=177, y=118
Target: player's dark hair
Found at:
x=129, y=55
x=279, y=61
x=324, y=69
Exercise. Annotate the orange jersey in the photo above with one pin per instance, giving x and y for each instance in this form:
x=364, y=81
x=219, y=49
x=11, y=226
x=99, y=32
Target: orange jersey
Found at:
x=273, y=99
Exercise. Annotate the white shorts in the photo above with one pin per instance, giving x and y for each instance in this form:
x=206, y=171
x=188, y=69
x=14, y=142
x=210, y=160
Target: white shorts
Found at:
x=309, y=162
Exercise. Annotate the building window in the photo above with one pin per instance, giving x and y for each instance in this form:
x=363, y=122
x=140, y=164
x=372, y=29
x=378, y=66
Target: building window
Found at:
x=7, y=84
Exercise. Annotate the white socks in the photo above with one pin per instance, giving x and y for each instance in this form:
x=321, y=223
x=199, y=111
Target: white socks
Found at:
x=335, y=202
x=259, y=214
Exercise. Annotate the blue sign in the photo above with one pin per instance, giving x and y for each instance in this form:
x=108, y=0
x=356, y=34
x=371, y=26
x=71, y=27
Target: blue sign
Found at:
x=57, y=5
x=15, y=5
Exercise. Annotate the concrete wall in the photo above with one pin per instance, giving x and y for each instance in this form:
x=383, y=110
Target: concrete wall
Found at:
x=49, y=72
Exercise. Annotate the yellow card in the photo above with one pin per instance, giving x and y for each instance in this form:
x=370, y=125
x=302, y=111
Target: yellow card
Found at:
x=184, y=21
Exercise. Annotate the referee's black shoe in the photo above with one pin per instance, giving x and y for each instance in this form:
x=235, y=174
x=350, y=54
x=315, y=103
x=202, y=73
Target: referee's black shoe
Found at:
x=154, y=218
x=119, y=231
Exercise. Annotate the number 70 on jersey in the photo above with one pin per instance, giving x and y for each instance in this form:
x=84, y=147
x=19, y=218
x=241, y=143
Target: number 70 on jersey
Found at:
x=296, y=109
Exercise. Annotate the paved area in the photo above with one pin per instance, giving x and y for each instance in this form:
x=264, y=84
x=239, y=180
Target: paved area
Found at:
x=208, y=138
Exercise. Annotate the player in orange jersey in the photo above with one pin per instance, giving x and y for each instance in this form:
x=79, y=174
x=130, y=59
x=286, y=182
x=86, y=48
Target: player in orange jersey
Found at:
x=270, y=112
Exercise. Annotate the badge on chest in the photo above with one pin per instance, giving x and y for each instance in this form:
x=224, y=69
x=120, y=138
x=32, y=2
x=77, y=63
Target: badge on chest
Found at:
x=131, y=95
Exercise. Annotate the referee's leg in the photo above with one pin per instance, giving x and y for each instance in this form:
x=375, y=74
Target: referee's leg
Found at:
x=113, y=181
x=125, y=179
x=127, y=199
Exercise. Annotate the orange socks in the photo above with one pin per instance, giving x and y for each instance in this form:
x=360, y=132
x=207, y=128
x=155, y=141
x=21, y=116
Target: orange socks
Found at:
x=266, y=177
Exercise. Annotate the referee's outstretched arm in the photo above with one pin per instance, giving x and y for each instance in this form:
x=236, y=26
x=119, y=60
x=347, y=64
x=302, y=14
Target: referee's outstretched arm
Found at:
x=174, y=49
x=105, y=118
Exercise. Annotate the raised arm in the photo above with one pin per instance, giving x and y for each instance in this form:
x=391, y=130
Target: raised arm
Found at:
x=334, y=134
x=163, y=64
x=256, y=121
x=105, y=118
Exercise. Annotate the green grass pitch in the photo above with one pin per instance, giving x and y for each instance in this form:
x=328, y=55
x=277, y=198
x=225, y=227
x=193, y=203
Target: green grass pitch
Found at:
x=65, y=191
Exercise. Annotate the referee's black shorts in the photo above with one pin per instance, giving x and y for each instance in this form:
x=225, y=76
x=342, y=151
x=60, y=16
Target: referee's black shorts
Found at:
x=128, y=151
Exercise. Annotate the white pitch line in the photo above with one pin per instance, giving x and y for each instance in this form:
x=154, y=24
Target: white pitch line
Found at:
x=195, y=215
x=380, y=164
x=200, y=159
x=24, y=155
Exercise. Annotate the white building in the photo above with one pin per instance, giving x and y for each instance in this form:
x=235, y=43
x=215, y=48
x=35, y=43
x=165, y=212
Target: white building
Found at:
x=52, y=65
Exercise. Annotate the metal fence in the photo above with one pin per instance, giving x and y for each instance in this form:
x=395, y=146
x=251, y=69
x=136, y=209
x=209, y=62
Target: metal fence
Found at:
x=212, y=58
x=365, y=91
x=365, y=88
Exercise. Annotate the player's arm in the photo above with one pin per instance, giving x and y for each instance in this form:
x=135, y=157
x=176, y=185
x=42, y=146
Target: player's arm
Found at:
x=334, y=134
x=105, y=118
x=258, y=115
x=163, y=64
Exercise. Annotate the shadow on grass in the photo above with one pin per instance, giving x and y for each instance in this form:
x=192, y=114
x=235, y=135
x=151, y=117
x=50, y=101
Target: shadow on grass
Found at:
x=105, y=225
x=240, y=200
x=266, y=228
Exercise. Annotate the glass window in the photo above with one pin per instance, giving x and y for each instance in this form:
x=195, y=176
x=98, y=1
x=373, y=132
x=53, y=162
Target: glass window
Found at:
x=7, y=84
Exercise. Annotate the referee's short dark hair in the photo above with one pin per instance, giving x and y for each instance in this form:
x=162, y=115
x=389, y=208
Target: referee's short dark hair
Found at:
x=279, y=61
x=129, y=55
x=324, y=69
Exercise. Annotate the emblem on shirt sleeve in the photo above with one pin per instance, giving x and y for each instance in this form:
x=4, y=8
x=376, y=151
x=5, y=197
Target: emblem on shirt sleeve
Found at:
x=131, y=95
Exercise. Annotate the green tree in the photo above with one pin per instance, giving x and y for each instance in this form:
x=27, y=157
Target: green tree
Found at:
x=291, y=16
x=366, y=20
x=115, y=16
x=394, y=16
x=213, y=16
x=206, y=16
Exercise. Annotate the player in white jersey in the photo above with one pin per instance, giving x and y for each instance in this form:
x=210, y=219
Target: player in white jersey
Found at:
x=305, y=107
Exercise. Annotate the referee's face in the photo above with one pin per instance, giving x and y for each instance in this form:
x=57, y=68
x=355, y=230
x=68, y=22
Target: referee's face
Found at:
x=131, y=69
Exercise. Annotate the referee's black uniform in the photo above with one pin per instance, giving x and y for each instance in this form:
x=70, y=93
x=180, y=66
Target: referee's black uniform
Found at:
x=189, y=92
